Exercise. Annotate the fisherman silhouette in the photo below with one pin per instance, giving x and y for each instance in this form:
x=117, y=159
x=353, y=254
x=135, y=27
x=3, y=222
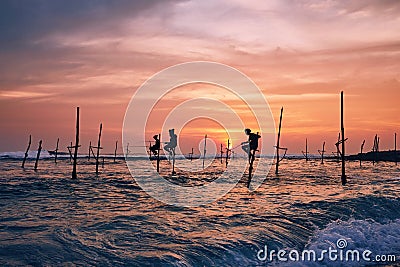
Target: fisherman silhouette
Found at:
x=154, y=148
x=251, y=145
x=173, y=140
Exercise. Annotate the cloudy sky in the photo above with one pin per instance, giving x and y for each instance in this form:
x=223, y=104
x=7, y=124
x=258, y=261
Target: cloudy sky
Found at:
x=56, y=55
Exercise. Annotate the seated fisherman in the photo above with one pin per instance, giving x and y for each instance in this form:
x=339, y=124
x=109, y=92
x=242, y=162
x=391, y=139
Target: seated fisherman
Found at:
x=173, y=141
x=156, y=147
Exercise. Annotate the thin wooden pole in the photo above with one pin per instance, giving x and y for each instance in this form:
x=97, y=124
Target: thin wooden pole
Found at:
x=98, y=149
x=26, y=152
x=74, y=176
x=205, y=149
x=375, y=149
x=56, y=151
x=306, y=153
x=221, y=153
x=158, y=153
x=227, y=153
x=395, y=148
x=70, y=152
x=38, y=154
x=361, y=153
x=338, y=153
x=278, y=142
x=252, y=158
x=321, y=152
x=149, y=148
x=90, y=148
x=127, y=150
x=377, y=144
x=115, y=150
x=343, y=177
x=102, y=163
x=173, y=161
x=191, y=155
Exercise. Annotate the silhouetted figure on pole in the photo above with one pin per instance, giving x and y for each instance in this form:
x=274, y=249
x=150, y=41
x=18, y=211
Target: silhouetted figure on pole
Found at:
x=170, y=147
x=250, y=146
x=173, y=141
x=156, y=147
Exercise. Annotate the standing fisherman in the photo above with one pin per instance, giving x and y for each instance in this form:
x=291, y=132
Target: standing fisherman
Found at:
x=251, y=145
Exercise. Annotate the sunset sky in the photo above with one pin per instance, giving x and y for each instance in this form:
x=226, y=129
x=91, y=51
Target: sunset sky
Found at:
x=56, y=55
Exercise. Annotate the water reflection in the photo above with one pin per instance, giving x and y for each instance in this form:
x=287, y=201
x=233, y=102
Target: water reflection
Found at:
x=47, y=218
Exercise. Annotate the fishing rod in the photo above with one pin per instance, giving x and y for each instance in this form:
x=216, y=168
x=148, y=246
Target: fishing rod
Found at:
x=238, y=146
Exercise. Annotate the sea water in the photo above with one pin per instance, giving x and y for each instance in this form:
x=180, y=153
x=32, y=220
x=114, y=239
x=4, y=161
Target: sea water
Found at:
x=48, y=219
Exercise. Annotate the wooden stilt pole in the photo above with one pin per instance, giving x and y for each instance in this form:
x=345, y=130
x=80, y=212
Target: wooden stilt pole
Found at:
x=306, y=153
x=191, y=155
x=70, y=152
x=38, y=154
x=74, y=176
x=227, y=153
x=252, y=158
x=338, y=153
x=375, y=149
x=377, y=144
x=343, y=177
x=115, y=150
x=149, y=148
x=221, y=153
x=56, y=151
x=26, y=152
x=321, y=152
x=102, y=163
x=306, y=150
x=90, y=149
x=205, y=149
x=361, y=153
x=98, y=149
x=395, y=148
x=127, y=150
x=158, y=154
x=173, y=161
x=278, y=143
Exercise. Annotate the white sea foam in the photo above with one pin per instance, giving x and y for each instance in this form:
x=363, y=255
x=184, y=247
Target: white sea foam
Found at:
x=361, y=235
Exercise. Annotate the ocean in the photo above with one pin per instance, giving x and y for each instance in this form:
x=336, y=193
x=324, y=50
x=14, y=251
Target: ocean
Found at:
x=48, y=219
